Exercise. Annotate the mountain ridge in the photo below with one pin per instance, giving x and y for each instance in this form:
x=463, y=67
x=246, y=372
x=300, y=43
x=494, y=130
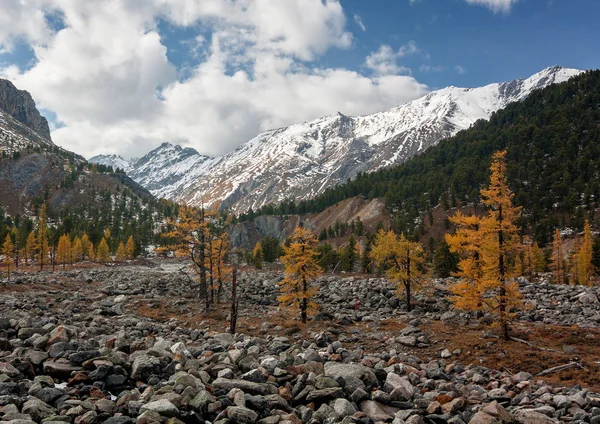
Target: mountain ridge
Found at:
x=302, y=160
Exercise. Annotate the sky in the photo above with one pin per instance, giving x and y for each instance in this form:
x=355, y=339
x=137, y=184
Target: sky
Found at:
x=123, y=76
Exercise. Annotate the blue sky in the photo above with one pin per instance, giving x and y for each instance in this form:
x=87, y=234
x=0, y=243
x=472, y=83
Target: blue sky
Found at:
x=123, y=76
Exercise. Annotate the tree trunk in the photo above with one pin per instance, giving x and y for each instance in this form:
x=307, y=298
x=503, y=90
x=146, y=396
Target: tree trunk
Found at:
x=408, y=299
x=234, y=304
x=502, y=274
x=304, y=305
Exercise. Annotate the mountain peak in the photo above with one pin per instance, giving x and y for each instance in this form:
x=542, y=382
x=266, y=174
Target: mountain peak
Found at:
x=20, y=105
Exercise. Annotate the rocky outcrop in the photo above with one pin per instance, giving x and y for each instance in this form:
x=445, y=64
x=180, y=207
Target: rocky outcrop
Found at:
x=20, y=105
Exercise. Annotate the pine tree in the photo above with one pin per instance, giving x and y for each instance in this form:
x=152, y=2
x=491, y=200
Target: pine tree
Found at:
x=103, y=252
x=403, y=260
x=496, y=242
x=121, y=252
x=558, y=260
x=130, y=248
x=42, y=238
x=301, y=268
x=349, y=255
x=7, y=252
x=257, y=255
x=445, y=263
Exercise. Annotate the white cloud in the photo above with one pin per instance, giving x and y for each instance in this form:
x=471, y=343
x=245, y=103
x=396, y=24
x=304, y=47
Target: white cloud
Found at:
x=384, y=60
x=460, y=70
x=107, y=77
x=497, y=6
x=431, y=68
x=358, y=21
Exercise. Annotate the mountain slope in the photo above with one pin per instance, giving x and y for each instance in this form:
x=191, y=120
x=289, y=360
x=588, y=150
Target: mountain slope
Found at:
x=303, y=160
x=553, y=144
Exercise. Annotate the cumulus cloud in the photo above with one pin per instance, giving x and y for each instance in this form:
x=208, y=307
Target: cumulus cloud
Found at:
x=497, y=6
x=384, y=60
x=106, y=75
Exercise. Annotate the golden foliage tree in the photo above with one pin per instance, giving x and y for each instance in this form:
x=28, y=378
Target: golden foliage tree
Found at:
x=257, y=255
x=86, y=246
x=557, y=263
x=130, y=248
x=30, y=244
x=585, y=269
x=403, y=260
x=300, y=261
x=534, y=259
x=91, y=252
x=76, y=250
x=63, y=251
x=467, y=241
x=42, y=238
x=7, y=252
x=103, y=252
x=188, y=235
x=222, y=270
x=121, y=252
x=500, y=245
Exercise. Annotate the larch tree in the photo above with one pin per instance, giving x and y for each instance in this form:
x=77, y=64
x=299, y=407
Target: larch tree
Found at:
x=7, y=252
x=222, y=270
x=467, y=241
x=188, y=236
x=91, y=252
x=30, y=247
x=557, y=264
x=301, y=268
x=103, y=251
x=121, y=252
x=257, y=255
x=86, y=245
x=63, y=250
x=76, y=250
x=404, y=262
x=42, y=238
x=497, y=291
x=130, y=248
x=585, y=269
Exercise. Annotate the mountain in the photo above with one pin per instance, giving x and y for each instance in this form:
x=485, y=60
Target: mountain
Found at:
x=301, y=161
x=20, y=105
x=552, y=140
x=165, y=171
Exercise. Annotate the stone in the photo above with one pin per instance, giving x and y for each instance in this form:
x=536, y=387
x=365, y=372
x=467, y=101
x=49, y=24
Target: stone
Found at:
x=241, y=415
x=143, y=366
x=246, y=386
x=8, y=369
x=377, y=411
x=162, y=407
x=37, y=409
x=336, y=370
x=528, y=416
x=343, y=408
x=495, y=410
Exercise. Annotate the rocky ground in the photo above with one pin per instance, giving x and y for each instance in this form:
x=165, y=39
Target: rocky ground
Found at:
x=131, y=344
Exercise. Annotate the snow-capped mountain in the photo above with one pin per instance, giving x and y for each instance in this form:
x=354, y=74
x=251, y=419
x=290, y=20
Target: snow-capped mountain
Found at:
x=166, y=171
x=302, y=160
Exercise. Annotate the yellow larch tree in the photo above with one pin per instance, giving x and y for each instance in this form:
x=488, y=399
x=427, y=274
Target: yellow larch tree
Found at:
x=121, y=252
x=557, y=264
x=30, y=244
x=467, y=241
x=7, y=252
x=103, y=252
x=257, y=255
x=501, y=245
x=76, y=250
x=534, y=259
x=222, y=270
x=91, y=252
x=130, y=248
x=585, y=269
x=63, y=250
x=42, y=238
x=404, y=262
x=301, y=268
x=86, y=245
x=188, y=235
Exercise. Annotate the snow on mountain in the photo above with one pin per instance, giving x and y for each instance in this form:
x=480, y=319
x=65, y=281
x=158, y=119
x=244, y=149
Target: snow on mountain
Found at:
x=302, y=160
x=115, y=161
